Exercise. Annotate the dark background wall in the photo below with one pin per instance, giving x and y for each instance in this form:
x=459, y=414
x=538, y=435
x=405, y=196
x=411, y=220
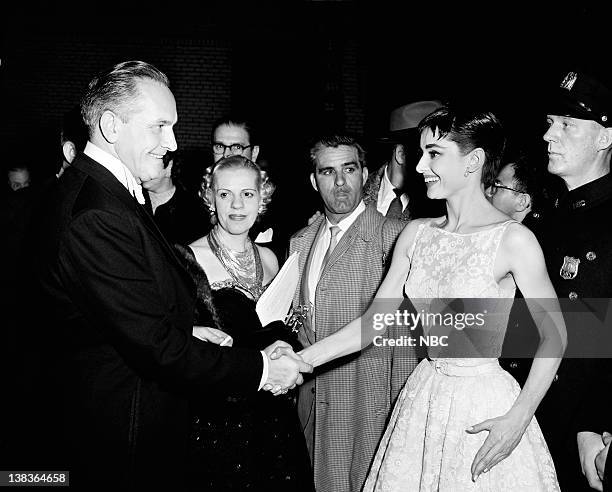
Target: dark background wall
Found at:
x=299, y=67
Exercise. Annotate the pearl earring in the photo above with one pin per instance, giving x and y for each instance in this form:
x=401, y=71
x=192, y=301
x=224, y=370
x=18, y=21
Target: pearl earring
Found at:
x=466, y=173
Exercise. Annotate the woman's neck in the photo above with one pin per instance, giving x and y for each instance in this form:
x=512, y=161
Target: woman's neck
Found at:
x=235, y=242
x=465, y=210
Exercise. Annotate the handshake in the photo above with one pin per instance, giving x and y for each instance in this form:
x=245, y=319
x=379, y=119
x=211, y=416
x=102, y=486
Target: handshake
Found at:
x=285, y=367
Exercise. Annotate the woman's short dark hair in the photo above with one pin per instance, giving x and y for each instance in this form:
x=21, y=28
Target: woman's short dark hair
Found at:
x=470, y=129
x=116, y=89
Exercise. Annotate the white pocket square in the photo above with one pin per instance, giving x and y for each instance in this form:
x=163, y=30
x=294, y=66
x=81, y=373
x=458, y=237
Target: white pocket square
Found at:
x=264, y=237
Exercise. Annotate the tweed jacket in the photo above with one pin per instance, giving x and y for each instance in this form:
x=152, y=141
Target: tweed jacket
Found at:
x=347, y=402
x=370, y=192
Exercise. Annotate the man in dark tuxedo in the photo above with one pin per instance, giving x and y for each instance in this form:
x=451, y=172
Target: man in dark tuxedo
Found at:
x=121, y=303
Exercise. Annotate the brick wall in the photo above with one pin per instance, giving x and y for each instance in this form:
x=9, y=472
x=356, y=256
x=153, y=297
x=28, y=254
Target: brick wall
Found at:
x=45, y=76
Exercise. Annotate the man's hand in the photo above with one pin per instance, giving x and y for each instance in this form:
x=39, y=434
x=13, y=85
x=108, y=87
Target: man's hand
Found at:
x=315, y=216
x=600, y=459
x=284, y=373
x=589, y=445
x=505, y=432
x=213, y=335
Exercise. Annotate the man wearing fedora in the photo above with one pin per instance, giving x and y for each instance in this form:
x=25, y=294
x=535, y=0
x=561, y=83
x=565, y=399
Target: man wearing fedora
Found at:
x=394, y=190
x=577, y=243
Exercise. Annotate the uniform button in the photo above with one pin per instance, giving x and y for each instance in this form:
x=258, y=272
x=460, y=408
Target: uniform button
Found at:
x=579, y=204
x=573, y=296
x=556, y=378
x=513, y=365
x=591, y=255
x=536, y=215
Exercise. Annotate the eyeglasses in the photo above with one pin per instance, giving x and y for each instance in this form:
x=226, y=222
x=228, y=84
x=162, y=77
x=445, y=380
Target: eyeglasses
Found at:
x=235, y=149
x=496, y=185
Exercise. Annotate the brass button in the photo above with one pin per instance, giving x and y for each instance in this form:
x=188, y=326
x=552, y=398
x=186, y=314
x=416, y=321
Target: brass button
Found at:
x=579, y=204
x=556, y=378
x=591, y=255
x=513, y=365
x=536, y=215
x=573, y=296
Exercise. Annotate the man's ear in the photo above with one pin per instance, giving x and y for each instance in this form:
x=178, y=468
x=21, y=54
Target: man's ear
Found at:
x=69, y=151
x=523, y=202
x=110, y=124
x=400, y=154
x=605, y=139
x=364, y=174
x=313, y=181
x=255, y=153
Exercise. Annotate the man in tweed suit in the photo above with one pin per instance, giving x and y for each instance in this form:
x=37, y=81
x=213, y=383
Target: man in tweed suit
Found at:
x=344, y=407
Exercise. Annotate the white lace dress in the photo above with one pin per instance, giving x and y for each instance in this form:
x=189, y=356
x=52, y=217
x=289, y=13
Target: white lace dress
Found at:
x=425, y=446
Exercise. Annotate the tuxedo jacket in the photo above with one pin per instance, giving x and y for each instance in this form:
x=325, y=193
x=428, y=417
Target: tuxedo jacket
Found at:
x=120, y=313
x=344, y=408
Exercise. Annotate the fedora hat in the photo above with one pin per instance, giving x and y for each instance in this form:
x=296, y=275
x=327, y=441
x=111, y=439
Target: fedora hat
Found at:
x=405, y=119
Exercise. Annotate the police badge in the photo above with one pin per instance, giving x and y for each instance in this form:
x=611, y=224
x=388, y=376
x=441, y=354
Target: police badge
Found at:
x=569, y=269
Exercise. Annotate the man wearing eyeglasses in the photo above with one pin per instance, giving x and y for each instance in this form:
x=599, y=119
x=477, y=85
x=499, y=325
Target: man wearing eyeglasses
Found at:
x=236, y=135
x=232, y=136
x=517, y=189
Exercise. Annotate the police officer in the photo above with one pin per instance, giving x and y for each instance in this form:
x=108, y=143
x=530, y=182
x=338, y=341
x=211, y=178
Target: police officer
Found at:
x=577, y=242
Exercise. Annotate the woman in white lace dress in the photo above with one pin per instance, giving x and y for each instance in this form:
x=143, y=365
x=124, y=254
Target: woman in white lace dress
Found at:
x=462, y=422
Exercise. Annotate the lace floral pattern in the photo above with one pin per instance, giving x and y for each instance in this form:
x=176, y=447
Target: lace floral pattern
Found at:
x=425, y=446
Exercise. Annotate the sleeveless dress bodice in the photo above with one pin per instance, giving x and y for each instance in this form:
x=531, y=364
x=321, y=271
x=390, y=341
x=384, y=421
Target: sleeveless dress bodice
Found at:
x=426, y=447
x=447, y=267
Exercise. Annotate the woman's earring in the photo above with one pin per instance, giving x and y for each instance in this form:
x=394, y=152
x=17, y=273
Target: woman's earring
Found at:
x=466, y=173
x=211, y=211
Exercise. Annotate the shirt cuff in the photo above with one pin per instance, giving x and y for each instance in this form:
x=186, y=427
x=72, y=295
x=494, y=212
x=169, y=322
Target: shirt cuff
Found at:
x=264, y=374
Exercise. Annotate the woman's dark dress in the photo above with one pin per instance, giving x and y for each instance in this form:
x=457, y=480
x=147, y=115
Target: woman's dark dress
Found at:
x=244, y=442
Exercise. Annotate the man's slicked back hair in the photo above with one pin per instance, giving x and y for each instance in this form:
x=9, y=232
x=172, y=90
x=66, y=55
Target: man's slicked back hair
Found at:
x=116, y=89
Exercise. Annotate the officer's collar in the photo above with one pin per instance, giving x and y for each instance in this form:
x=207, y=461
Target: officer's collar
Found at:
x=586, y=195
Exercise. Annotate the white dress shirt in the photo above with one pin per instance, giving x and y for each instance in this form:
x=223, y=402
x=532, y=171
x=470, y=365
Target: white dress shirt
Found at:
x=118, y=168
x=321, y=245
x=386, y=194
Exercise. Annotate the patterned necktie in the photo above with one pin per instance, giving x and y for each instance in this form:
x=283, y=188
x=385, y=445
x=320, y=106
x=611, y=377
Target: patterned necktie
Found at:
x=333, y=241
x=395, y=209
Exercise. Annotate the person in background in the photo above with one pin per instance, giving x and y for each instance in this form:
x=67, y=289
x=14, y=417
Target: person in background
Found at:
x=179, y=214
x=237, y=134
x=73, y=137
x=577, y=244
x=517, y=190
x=395, y=189
x=18, y=177
x=343, y=257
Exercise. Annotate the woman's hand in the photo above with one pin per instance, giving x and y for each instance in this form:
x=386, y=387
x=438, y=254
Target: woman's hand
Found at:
x=213, y=335
x=505, y=432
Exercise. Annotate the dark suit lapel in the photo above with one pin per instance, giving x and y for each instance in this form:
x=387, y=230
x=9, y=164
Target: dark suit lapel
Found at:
x=106, y=179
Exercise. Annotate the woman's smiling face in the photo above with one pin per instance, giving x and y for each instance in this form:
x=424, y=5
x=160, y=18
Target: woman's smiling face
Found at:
x=442, y=165
x=236, y=198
